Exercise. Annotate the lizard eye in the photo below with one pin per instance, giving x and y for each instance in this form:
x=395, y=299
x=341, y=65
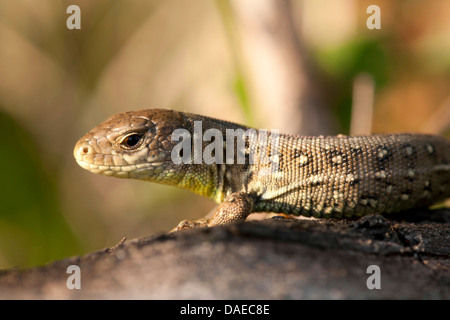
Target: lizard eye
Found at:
x=132, y=141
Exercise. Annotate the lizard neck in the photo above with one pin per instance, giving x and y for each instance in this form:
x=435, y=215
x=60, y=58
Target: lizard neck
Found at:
x=205, y=180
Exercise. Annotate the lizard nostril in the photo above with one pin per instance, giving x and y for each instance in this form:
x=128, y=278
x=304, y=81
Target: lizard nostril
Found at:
x=84, y=150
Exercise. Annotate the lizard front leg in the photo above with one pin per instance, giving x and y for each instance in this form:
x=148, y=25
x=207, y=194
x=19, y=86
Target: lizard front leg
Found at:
x=235, y=208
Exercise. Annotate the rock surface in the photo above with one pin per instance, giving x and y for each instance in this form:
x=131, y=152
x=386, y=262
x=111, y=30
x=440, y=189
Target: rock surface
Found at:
x=270, y=259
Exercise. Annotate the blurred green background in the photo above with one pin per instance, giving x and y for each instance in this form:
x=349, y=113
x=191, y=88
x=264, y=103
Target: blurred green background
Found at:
x=56, y=84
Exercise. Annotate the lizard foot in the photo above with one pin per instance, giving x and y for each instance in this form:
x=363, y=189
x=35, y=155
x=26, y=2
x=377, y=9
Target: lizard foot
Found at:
x=236, y=208
x=191, y=224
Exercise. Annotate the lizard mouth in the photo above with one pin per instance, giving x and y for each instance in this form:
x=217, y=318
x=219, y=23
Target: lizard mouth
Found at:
x=121, y=171
x=116, y=171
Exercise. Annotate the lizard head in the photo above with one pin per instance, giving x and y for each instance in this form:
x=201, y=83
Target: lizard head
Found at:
x=134, y=144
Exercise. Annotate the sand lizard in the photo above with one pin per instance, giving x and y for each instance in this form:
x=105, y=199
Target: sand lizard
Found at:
x=323, y=176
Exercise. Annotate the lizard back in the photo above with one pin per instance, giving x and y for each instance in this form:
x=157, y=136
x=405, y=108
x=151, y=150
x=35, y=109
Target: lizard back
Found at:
x=345, y=176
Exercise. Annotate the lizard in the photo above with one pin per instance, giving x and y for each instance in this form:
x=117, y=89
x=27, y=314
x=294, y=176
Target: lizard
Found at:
x=320, y=176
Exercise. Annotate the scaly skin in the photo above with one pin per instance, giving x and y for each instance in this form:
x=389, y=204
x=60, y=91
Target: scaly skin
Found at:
x=335, y=176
